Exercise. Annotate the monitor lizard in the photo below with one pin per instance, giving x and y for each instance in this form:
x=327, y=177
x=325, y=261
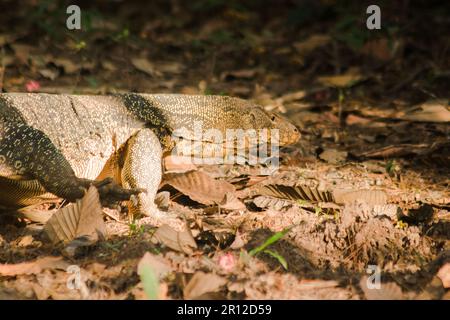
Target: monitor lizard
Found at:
x=59, y=144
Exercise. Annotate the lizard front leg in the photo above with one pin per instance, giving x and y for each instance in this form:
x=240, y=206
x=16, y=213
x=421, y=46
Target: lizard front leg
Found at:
x=27, y=151
x=142, y=169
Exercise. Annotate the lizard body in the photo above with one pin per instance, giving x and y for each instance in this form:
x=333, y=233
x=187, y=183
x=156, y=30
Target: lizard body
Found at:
x=59, y=144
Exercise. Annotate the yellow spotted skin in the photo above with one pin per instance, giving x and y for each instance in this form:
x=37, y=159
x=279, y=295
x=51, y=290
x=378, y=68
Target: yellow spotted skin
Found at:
x=59, y=144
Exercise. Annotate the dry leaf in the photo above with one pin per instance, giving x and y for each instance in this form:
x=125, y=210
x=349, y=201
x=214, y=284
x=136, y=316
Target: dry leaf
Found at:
x=313, y=42
x=171, y=67
x=231, y=202
x=49, y=74
x=272, y=203
x=34, y=214
x=355, y=120
x=179, y=241
x=199, y=186
x=430, y=111
x=380, y=49
x=33, y=267
x=108, y=65
x=81, y=219
x=333, y=156
x=68, y=66
x=371, y=197
x=239, y=241
x=292, y=96
x=158, y=264
x=387, y=291
x=238, y=74
x=22, y=52
x=296, y=193
x=444, y=275
x=145, y=66
x=342, y=81
x=434, y=290
x=202, y=283
x=178, y=164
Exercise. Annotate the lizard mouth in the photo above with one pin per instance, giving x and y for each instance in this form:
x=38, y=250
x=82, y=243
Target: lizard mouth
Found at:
x=291, y=137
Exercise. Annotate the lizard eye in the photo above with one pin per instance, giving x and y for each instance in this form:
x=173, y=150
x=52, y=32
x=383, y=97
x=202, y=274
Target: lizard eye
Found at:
x=273, y=118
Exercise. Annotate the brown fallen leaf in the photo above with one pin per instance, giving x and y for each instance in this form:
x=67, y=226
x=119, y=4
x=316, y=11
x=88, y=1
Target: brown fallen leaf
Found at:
x=33, y=267
x=108, y=65
x=292, y=96
x=311, y=43
x=202, y=283
x=170, y=67
x=238, y=74
x=444, y=275
x=179, y=241
x=35, y=213
x=81, y=219
x=49, y=73
x=199, y=186
x=434, y=290
x=145, y=66
x=387, y=291
x=430, y=111
x=381, y=49
x=371, y=197
x=264, y=202
x=342, y=81
x=231, y=202
x=245, y=180
x=68, y=65
x=298, y=192
x=158, y=264
x=22, y=52
x=333, y=156
x=355, y=120
x=240, y=240
x=178, y=164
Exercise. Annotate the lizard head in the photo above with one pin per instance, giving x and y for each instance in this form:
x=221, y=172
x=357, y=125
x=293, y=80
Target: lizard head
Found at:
x=261, y=119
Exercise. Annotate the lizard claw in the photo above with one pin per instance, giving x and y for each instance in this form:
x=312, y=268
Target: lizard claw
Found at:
x=110, y=193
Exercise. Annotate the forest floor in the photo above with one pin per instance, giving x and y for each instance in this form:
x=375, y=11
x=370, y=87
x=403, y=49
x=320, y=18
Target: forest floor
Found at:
x=366, y=189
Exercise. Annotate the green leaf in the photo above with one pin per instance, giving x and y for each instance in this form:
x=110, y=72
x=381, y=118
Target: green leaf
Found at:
x=277, y=256
x=150, y=282
x=271, y=240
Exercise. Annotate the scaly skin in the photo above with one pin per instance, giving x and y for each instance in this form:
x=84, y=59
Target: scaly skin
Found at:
x=60, y=144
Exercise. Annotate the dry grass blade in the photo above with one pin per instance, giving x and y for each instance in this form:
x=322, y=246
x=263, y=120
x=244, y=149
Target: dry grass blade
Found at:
x=400, y=150
x=81, y=219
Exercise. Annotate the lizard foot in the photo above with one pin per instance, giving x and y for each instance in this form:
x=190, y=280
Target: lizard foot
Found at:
x=110, y=193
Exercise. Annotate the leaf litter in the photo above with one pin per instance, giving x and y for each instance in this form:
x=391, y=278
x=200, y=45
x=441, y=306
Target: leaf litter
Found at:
x=344, y=210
